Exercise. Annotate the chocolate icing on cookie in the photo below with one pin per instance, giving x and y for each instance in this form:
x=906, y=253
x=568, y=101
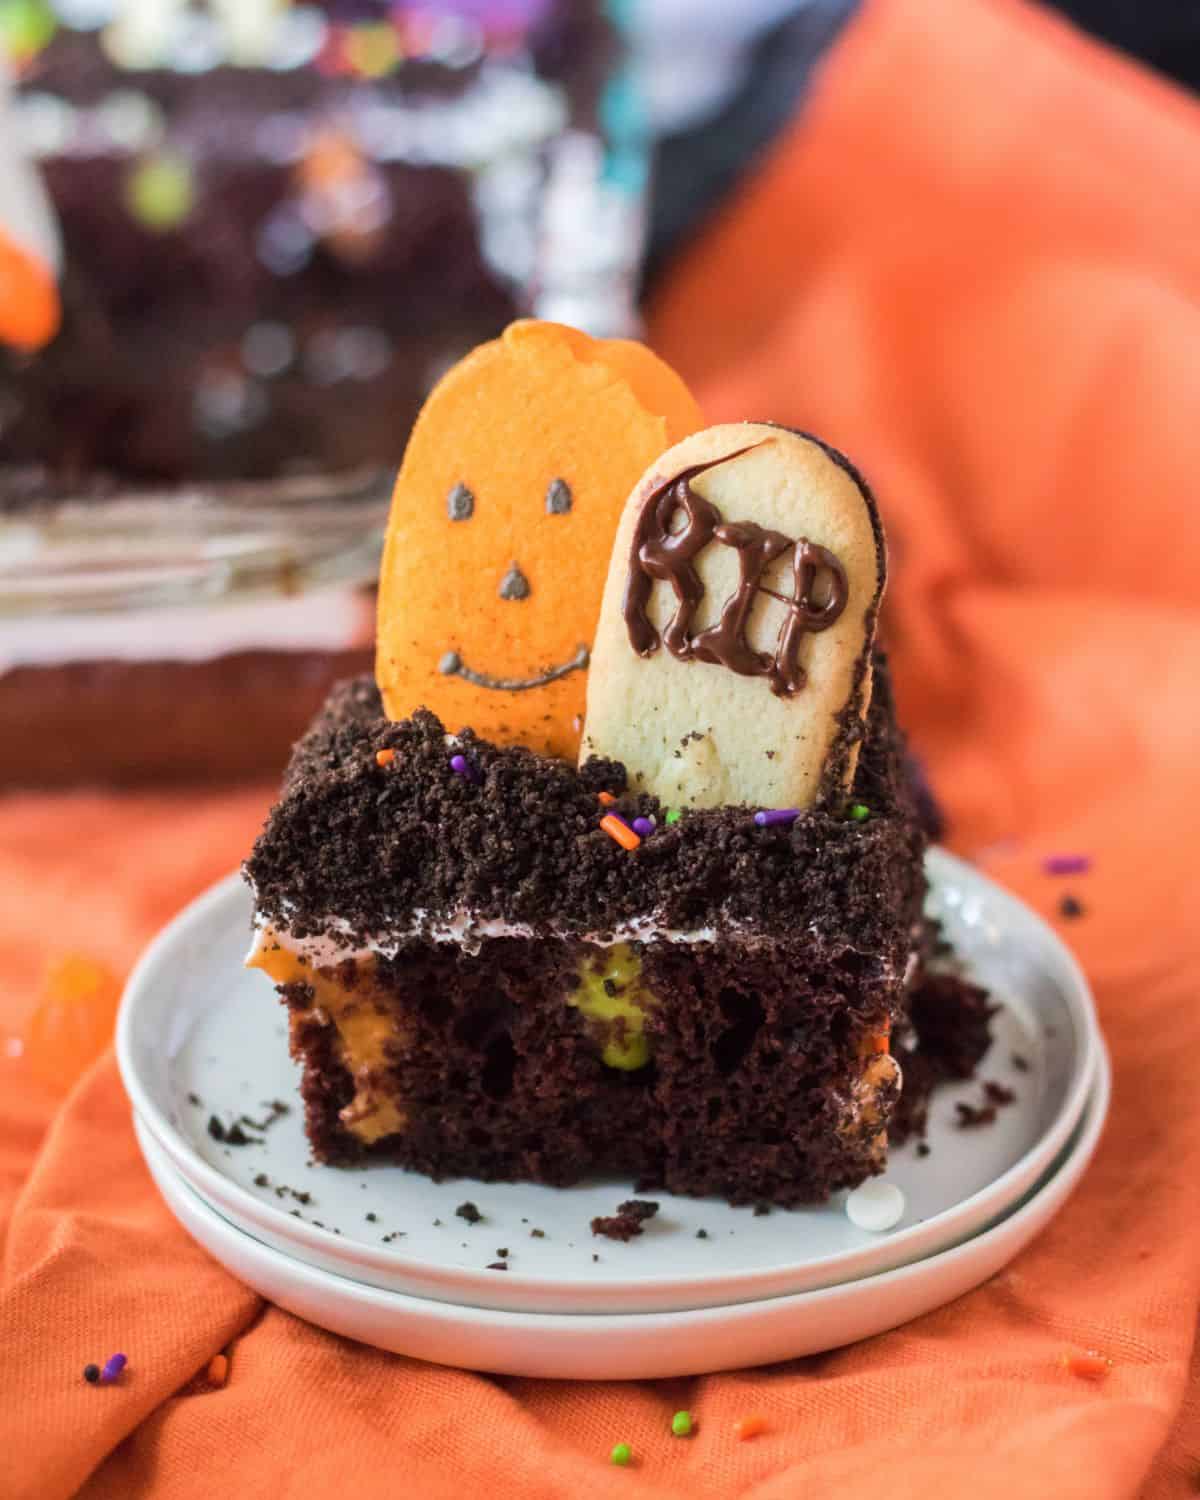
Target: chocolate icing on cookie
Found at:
x=660, y=554
x=452, y=665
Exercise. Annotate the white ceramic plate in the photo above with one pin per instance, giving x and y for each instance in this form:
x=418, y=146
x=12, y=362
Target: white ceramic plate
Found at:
x=630, y=1346
x=195, y=1025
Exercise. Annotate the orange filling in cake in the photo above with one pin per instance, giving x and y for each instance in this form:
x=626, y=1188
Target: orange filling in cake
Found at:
x=346, y=999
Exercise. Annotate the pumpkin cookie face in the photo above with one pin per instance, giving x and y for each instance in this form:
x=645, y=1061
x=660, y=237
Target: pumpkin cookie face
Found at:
x=502, y=525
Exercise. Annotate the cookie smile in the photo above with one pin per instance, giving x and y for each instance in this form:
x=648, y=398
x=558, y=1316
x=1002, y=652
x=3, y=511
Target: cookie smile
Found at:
x=452, y=665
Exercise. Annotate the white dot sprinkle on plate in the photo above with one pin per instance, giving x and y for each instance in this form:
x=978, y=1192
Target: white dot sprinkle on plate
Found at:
x=875, y=1206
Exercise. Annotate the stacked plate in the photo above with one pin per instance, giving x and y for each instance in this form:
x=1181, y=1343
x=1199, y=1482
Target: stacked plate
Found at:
x=509, y=1277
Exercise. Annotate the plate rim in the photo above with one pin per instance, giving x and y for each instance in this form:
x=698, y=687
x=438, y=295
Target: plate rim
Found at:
x=362, y=1262
x=978, y=1208
x=1011, y=1234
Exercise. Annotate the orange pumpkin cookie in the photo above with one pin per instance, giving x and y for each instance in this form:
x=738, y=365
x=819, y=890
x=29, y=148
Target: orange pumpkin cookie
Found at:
x=502, y=525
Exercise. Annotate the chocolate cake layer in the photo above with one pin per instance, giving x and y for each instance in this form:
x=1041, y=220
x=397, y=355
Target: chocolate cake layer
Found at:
x=117, y=722
x=761, y=1083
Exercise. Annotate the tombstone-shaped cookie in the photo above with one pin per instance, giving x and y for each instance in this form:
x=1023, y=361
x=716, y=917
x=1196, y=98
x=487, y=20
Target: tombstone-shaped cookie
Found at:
x=732, y=662
x=502, y=525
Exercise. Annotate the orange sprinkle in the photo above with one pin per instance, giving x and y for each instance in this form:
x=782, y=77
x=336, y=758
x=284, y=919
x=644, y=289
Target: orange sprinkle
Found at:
x=606, y=799
x=748, y=1427
x=29, y=305
x=1089, y=1366
x=73, y=1020
x=384, y=757
x=620, y=831
x=218, y=1369
x=879, y=1043
x=333, y=160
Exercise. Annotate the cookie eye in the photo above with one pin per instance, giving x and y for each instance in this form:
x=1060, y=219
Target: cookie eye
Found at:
x=558, y=497
x=460, y=503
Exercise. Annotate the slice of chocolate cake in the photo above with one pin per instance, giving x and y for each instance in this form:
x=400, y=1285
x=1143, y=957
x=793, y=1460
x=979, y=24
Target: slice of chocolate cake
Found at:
x=681, y=960
x=481, y=982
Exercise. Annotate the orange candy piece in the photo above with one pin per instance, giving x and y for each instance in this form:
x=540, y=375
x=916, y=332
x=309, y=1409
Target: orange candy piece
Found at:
x=502, y=525
x=29, y=305
x=1089, y=1366
x=73, y=1020
x=750, y=1426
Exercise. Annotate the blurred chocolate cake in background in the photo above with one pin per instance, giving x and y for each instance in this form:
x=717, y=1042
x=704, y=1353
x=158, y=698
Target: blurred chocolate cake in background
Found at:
x=282, y=222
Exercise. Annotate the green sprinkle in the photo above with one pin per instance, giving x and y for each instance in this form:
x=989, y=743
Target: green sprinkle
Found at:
x=25, y=27
x=860, y=812
x=160, y=192
x=621, y=1454
x=681, y=1423
x=673, y=816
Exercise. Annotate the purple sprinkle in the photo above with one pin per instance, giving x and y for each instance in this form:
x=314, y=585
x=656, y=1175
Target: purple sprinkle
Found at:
x=461, y=766
x=643, y=826
x=776, y=816
x=112, y=1368
x=1067, y=864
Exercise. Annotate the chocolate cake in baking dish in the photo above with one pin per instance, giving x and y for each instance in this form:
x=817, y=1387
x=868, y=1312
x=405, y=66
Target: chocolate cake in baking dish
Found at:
x=280, y=223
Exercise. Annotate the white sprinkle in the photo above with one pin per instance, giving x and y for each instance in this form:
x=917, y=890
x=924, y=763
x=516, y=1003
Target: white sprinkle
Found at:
x=300, y=36
x=285, y=244
x=85, y=15
x=46, y=123
x=268, y=349
x=224, y=403
x=197, y=44
x=455, y=41
x=875, y=1206
x=132, y=121
x=283, y=138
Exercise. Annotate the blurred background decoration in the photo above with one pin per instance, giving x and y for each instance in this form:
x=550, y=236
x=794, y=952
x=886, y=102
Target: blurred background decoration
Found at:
x=281, y=222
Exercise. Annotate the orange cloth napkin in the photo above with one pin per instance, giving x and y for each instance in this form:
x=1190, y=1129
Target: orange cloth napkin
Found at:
x=972, y=262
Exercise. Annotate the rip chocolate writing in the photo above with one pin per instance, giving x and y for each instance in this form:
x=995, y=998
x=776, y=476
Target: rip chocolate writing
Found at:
x=660, y=554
